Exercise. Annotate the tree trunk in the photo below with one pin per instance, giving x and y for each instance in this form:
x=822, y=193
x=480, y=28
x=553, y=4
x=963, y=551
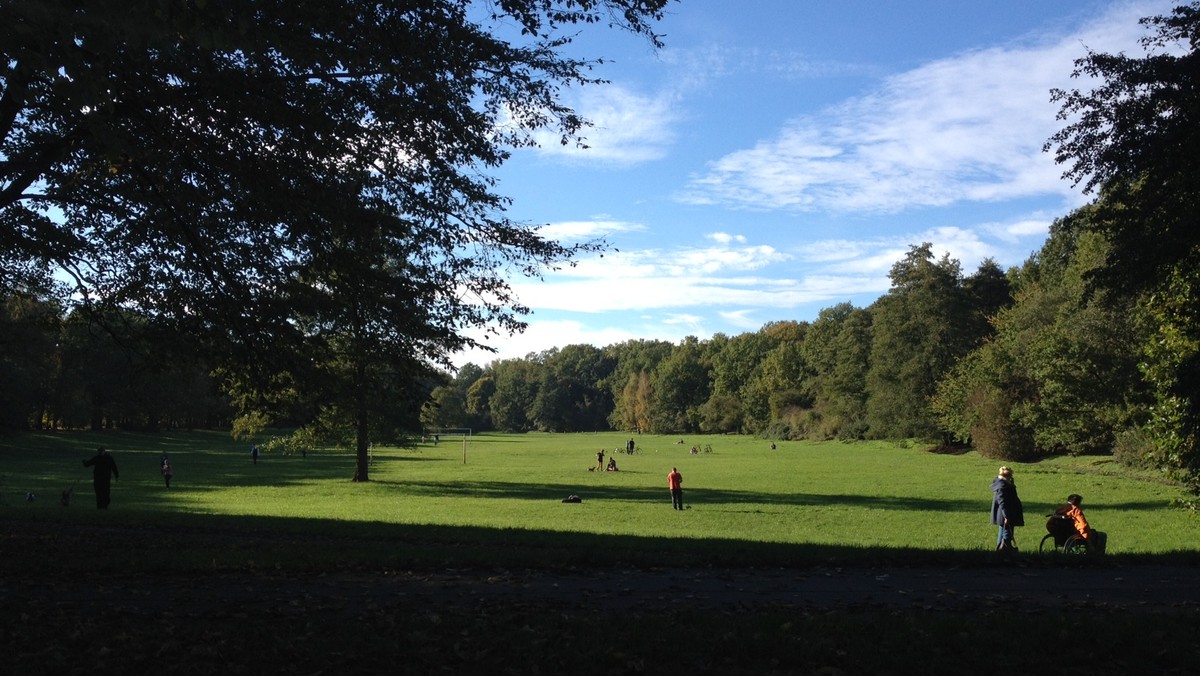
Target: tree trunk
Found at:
x=363, y=458
x=361, y=427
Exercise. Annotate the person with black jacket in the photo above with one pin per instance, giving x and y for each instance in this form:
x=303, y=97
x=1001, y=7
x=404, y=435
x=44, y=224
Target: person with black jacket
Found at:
x=104, y=468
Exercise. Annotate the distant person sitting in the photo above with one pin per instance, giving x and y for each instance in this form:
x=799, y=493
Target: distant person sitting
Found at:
x=612, y=465
x=1096, y=540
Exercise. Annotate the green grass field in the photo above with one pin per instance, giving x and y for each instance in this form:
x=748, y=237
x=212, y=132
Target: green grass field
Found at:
x=298, y=524
x=873, y=496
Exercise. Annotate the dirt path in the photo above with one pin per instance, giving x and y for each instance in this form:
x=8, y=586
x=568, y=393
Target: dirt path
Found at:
x=28, y=553
x=1027, y=587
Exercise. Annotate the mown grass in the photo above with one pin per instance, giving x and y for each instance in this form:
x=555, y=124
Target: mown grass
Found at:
x=301, y=518
x=829, y=497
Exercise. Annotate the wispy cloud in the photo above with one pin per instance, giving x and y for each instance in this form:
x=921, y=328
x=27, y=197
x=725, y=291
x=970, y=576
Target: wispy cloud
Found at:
x=546, y=334
x=968, y=245
x=578, y=231
x=967, y=128
x=698, y=67
x=733, y=278
x=741, y=319
x=628, y=127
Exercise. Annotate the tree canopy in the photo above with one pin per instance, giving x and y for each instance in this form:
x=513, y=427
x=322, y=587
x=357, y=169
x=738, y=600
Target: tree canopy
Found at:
x=1135, y=139
x=287, y=180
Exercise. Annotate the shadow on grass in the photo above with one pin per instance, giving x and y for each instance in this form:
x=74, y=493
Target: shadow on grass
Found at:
x=712, y=498
x=49, y=543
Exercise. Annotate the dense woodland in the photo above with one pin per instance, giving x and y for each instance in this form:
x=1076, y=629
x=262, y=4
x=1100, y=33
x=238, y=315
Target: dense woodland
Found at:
x=358, y=236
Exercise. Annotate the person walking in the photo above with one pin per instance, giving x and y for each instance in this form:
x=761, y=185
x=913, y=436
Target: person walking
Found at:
x=1007, y=512
x=675, y=482
x=166, y=470
x=104, y=469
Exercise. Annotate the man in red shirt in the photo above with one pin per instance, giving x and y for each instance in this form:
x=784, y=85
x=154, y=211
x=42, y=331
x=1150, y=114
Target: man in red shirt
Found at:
x=675, y=482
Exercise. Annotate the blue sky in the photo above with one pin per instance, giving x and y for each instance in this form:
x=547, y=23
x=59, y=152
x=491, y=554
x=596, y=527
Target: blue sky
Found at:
x=778, y=156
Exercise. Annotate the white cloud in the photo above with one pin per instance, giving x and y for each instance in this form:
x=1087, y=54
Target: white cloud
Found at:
x=739, y=278
x=598, y=295
x=541, y=336
x=577, y=231
x=693, y=322
x=726, y=239
x=699, y=67
x=628, y=128
x=967, y=128
x=741, y=319
x=1034, y=226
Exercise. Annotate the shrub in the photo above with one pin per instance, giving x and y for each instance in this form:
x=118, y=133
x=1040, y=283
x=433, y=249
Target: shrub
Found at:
x=994, y=433
x=1134, y=447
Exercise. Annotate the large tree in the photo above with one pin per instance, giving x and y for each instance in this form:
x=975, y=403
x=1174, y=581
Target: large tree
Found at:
x=680, y=386
x=1060, y=374
x=1135, y=139
x=516, y=389
x=213, y=163
x=573, y=396
x=920, y=328
x=837, y=349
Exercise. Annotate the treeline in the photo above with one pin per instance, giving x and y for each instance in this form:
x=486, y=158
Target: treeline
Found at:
x=852, y=373
x=1019, y=363
x=80, y=371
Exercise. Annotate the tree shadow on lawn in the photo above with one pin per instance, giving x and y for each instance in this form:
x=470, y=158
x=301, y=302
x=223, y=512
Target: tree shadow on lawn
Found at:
x=721, y=499
x=59, y=468
x=209, y=543
x=715, y=499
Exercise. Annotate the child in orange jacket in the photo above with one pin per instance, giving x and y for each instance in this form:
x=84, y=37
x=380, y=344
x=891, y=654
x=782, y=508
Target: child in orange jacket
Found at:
x=1072, y=510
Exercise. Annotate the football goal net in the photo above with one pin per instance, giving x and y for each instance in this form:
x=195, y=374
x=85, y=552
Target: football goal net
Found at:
x=439, y=434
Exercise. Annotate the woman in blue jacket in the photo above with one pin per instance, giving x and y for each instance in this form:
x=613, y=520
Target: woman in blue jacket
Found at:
x=1007, y=512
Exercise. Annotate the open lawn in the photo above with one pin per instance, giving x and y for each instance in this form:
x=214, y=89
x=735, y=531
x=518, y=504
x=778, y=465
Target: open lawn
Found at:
x=878, y=496
x=811, y=558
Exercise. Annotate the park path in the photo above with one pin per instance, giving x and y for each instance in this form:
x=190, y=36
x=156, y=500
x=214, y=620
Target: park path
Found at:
x=1029, y=587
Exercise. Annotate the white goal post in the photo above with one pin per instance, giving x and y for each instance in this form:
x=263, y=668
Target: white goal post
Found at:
x=436, y=433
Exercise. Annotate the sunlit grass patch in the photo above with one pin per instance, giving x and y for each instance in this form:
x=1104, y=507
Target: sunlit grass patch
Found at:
x=737, y=489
